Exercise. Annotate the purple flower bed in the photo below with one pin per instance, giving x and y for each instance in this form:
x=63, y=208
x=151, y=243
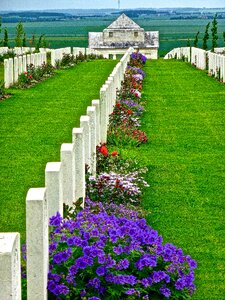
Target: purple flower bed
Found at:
x=102, y=255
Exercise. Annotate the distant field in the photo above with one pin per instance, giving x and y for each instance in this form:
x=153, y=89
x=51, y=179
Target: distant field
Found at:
x=173, y=33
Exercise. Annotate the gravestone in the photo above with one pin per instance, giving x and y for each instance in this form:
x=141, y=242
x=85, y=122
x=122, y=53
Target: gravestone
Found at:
x=10, y=266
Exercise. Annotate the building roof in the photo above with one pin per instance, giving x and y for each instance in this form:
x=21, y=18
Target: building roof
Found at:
x=124, y=22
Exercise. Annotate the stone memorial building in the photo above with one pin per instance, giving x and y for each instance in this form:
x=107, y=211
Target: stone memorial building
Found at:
x=122, y=34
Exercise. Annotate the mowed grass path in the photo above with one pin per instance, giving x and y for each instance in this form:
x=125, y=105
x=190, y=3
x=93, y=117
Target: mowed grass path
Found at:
x=33, y=125
x=185, y=156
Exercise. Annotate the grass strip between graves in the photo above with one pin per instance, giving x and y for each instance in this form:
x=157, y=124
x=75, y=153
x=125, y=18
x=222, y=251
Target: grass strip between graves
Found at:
x=33, y=125
x=184, y=121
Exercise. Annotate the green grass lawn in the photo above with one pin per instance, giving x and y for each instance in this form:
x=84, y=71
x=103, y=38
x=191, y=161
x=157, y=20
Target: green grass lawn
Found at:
x=185, y=157
x=33, y=125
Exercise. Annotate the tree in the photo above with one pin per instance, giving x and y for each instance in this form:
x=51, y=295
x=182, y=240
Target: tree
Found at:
x=214, y=33
x=196, y=40
x=188, y=43
x=24, y=40
x=6, y=38
x=40, y=42
x=224, y=38
x=19, y=34
x=32, y=41
x=206, y=37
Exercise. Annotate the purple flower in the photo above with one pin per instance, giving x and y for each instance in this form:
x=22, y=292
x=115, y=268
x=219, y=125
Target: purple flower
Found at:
x=56, y=220
x=63, y=290
x=165, y=291
x=133, y=291
x=95, y=283
x=118, y=249
x=100, y=271
x=81, y=263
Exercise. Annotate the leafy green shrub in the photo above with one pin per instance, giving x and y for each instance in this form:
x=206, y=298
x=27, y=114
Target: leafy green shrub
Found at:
x=2, y=89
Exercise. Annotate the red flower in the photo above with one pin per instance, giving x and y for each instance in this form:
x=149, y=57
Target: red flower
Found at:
x=129, y=112
x=104, y=150
x=114, y=153
x=118, y=104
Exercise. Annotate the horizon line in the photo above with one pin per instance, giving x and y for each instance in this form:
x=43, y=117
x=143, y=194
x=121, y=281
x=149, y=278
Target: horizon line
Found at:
x=154, y=8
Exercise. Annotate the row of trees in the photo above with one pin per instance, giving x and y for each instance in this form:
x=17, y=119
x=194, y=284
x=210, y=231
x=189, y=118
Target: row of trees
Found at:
x=21, y=38
x=214, y=35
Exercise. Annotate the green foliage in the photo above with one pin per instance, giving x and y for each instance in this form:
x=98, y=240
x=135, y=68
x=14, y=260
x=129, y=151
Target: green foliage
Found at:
x=196, y=40
x=224, y=38
x=68, y=60
x=24, y=40
x=34, y=74
x=206, y=37
x=6, y=38
x=41, y=43
x=19, y=35
x=214, y=31
x=33, y=40
x=188, y=43
x=2, y=89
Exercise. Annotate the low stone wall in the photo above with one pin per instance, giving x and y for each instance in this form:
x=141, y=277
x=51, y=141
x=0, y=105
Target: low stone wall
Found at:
x=13, y=67
x=17, y=50
x=64, y=182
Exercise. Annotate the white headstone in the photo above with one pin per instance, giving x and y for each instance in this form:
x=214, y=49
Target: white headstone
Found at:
x=11, y=71
x=20, y=64
x=96, y=104
x=53, y=183
x=6, y=73
x=10, y=266
x=37, y=244
x=79, y=162
x=32, y=59
x=103, y=115
x=85, y=124
x=68, y=168
x=28, y=59
x=16, y=70
x=91, y=112
x=24, y=63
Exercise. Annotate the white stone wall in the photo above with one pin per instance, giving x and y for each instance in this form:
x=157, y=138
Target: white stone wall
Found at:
x=198, y=58
x=179, y=53
x=57, y=54
x=14, y=67
x=216, y=64
x=10, y=266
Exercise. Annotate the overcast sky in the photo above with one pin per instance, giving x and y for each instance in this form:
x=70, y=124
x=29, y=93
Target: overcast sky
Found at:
x=61, y=4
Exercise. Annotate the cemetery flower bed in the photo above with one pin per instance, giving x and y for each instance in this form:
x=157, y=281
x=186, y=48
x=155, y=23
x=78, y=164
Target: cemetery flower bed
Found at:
x=34, y=75
x=107, y=250
x=69, y=60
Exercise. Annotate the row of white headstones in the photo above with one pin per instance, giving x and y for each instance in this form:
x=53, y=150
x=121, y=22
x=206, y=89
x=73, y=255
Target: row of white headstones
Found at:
x=64, y=183
x=199, y=57
x=13, y=67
